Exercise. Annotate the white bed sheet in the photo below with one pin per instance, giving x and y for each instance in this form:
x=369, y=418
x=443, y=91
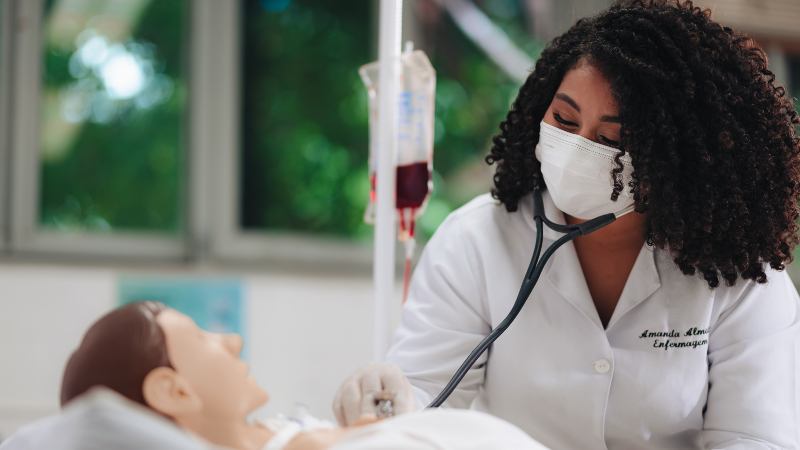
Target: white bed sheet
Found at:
x=440, y=429
x=104, y=420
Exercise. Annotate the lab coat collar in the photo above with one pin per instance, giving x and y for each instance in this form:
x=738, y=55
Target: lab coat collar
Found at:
x=564, y=266
x=642, y=282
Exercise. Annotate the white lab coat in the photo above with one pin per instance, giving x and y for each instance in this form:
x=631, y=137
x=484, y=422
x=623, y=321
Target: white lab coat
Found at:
x=678, y=367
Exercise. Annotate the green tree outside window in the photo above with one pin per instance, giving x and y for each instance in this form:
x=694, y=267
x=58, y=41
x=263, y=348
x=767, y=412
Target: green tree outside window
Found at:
x=112, y=102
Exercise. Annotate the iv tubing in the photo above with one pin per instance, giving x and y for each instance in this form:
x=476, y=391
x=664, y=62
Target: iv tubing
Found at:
x=410, y=244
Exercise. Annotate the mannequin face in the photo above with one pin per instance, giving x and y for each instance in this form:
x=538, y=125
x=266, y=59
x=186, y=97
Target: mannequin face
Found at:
x=209, y=379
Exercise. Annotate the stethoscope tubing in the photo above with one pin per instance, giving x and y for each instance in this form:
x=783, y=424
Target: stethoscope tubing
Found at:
x=535, y=269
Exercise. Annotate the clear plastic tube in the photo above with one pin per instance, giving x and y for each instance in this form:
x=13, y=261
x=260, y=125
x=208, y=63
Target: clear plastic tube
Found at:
x=407, y=222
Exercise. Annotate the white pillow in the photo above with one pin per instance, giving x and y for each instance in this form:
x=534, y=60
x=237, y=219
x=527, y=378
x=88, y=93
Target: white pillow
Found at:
x=101, y=419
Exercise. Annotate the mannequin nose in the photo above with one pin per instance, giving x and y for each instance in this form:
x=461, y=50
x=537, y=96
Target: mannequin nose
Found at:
x=233, y=342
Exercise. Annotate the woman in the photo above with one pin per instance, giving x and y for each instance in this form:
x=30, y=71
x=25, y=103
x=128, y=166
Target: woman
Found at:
x=673, y=327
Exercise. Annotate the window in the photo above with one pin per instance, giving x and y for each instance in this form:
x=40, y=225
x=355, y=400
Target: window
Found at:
x=97, y=136
x=305, y=135
x=110, y=110
x=236, y=130
x=305, y=130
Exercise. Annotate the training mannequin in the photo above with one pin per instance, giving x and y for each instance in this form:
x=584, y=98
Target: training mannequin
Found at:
x=158, y=357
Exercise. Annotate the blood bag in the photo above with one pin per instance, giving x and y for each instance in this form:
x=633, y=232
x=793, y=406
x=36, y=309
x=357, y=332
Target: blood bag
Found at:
x=414, y=158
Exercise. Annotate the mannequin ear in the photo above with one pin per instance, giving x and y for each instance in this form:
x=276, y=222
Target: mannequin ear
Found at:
x=169, y=393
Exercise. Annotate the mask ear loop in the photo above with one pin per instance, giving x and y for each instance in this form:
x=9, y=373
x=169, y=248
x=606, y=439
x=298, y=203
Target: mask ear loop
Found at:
x=619, y=214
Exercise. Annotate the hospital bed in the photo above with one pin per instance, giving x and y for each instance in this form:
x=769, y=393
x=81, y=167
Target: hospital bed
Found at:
x=104, y=420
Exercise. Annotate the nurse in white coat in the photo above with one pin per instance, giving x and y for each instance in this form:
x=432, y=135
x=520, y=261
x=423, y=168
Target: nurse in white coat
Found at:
x=674, y=327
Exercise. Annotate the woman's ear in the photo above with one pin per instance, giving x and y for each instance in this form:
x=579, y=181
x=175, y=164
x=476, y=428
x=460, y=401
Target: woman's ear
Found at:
x=169, y=393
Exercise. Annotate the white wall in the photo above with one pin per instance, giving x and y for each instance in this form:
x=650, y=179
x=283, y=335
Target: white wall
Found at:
x=306, y=336
x=305, y=333
x=43, y=314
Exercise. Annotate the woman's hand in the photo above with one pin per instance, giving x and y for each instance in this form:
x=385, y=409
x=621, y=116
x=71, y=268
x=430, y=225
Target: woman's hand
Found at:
x=355, y=398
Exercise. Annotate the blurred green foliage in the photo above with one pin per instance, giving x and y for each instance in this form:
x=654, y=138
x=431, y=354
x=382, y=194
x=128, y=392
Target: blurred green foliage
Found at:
x=473, y=96
x=794, y=81
x=305, y=115
x=124, y=173
x=794, y=92
x=305, y=128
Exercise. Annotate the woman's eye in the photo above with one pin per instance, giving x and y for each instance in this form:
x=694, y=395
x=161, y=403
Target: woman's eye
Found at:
x=609, y=142
x=561, y=120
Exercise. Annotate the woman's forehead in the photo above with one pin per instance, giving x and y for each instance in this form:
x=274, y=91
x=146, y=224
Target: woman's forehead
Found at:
x=588, y=88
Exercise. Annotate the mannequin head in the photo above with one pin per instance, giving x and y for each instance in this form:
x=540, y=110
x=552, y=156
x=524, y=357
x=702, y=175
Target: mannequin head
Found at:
x=118, y=352
x=160, y=358
x=207, y=377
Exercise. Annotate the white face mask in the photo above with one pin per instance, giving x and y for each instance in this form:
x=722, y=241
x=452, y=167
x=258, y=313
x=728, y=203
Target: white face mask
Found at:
x=577, y=172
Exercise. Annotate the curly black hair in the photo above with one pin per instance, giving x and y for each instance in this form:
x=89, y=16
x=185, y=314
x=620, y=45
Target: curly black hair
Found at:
x=711, y=135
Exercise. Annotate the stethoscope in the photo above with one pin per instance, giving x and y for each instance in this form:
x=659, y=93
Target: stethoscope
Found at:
x=529, y=282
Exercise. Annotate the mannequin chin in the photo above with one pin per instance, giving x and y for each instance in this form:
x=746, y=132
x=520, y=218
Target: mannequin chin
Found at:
x=160, y=358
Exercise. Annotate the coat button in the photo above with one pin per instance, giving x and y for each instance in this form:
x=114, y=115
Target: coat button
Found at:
x=602, y=366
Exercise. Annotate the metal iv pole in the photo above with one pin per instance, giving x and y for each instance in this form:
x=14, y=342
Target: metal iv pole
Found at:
x=385, y=233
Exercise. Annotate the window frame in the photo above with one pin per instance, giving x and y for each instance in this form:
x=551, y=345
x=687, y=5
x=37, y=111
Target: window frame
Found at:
x=6, y=30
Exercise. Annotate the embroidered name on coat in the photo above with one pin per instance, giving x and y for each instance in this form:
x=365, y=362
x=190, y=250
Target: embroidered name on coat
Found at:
x=665, y=339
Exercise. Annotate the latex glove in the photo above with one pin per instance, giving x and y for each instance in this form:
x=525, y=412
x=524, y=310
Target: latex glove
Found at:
x=355, y=401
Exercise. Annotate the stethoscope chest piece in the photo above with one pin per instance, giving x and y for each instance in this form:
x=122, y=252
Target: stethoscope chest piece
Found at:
x=384, y=403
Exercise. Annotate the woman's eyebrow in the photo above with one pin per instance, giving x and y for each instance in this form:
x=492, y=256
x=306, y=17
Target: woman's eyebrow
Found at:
x=566, y=98
x=610, y=119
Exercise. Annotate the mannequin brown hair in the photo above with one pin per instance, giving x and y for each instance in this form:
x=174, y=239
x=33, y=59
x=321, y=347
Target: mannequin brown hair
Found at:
x=118, y=352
